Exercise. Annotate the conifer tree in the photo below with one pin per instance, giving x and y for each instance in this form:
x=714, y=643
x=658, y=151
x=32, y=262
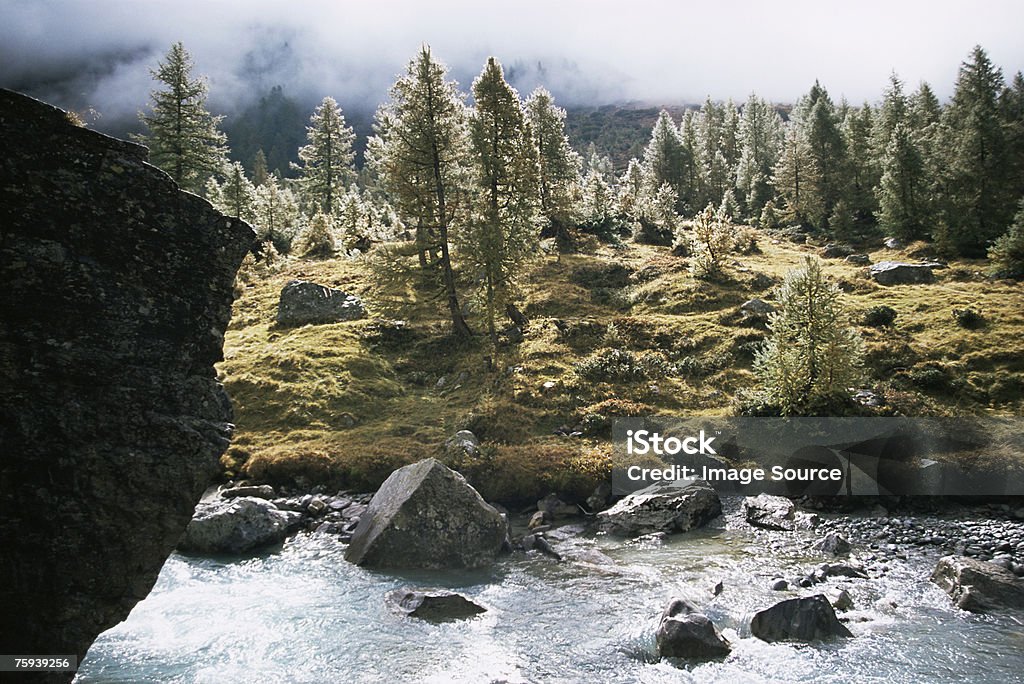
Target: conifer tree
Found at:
x=976, y=168
x=559, y=164
x=812, y=355
x=760, y=144
x=858, y=128
x=326, y=162
x=796, y=178
x=260, y=174
x=236, y=197
x=667, y=162
x=631, y=191
x=277, y=214
x=183, y=137
x=421, y=151
x=503, y=231
x=902, y=191
x=828, y=149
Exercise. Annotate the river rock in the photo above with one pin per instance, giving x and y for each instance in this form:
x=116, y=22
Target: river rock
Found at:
x=426, y=515
x=662, y=507
x=979, y=586
x=685, y=633
x=806, y=619
x=775, y=513
x=115, y=291
x=259, y=491
x=832, y=544
x=304, y=302
x=434, y=605
x=899, y=273
x=557, y=508
x=237, y=526
x=599, y=498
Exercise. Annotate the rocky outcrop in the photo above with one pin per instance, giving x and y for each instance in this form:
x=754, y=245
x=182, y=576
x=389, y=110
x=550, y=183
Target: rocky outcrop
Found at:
x=239, y=525
x=434, y=605
x=426, y=515
x=801, y=619
x=115, y=289
x=979, y=586
x=303, y=303
x=898, y=273
x=663, y=507
x=686, y=633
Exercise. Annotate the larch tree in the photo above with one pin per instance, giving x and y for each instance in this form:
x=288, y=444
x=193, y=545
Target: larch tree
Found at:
x=976, y=168
x=666, y=161
x=236, y=196
x=559, y=165
x=858, y=126
x=502, y=232
x=812, y=354
x=795, y=178
x=902, y=191
x=326, y=162
x=828, y=149
x=277, y=214
x=421, y=152
x=760, y=142
x=183, y=137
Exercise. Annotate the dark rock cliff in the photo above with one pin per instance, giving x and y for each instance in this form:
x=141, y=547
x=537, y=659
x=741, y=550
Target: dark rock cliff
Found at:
x=115, y=290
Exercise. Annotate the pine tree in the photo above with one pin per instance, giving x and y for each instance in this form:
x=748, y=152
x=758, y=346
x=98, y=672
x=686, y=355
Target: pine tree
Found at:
x=326, y=166
x=260, y=174
x=796, y=178
x=712, y=241
x=236, y=196
x=183, y=137
x=1011, y=105
x=506, y=172
x=863, y=167
x=559, y=164
x=903, y=188
x=812, y=355
x=760, y=144
x=667, y=162
x=893, y=112
x=1007, y=252
x=421, y=150
x=828, y=150
x=631, y=191
x=277, y=215
x=976, y=168
x=319, y=241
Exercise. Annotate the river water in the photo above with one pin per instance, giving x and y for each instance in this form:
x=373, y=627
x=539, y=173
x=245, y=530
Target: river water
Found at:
x=303, y=614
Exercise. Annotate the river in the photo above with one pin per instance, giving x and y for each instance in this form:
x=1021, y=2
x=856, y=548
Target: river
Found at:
x=301, y=613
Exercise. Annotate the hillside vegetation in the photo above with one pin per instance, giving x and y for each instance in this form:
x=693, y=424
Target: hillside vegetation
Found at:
x=624, y=329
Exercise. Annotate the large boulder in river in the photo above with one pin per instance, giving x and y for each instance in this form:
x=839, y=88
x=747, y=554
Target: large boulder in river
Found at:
x=899, y=273
x=979, y=586
x=116, y=288
x=775, y=513
x=237, y=526
x=662, y=507
x=811, y=618
x=303, y=302
x=685, y=633
x=426, y=515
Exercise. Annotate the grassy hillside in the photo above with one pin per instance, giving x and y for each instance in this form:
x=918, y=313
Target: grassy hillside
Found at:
x=624, y=330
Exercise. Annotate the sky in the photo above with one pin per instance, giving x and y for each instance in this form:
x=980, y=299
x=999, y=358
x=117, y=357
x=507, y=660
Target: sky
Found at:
x=97, y=53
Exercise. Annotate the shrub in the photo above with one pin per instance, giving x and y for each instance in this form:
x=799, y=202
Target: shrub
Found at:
x=318, y=241
x=620, y=365
x=879, y=316
x=712, y=241
x=968, y=318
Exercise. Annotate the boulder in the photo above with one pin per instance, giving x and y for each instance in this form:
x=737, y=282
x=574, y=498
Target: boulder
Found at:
x=832, y=544
x=237, y=526
x=434, y=605
x=893, y=243
x=979, y=586
x=556, y=508
x=899, y=273
x=259, y=491
x=811, y=618
x=303, y=302
x=599, y=498
x=426, y=515
x=685, y=633
x=756, y=307
x=662, y=507
x=836, y=251
x=115, y=291
x=775, y=513
x=460, y=445
x=858, y=259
